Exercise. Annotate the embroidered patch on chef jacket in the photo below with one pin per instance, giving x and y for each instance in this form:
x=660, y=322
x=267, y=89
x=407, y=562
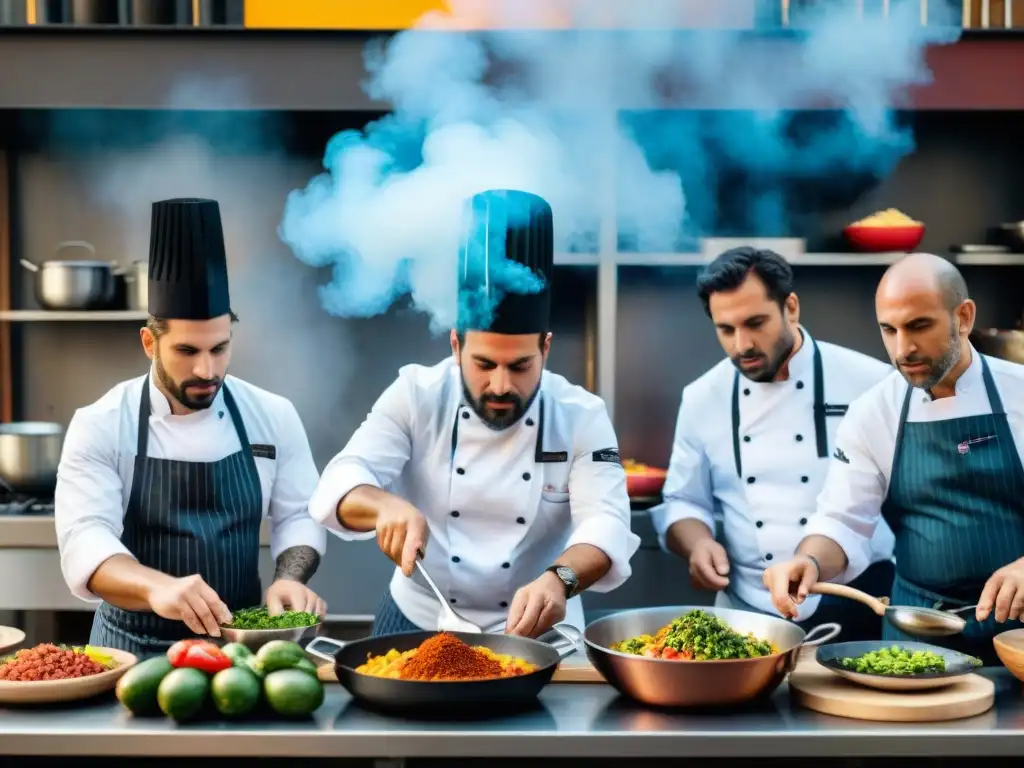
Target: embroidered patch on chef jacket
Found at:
x=608, y=455
x=841, y=456
x=264, y=451
x=553, y=457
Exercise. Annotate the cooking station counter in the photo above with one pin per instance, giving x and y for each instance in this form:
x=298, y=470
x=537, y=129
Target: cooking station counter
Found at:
x=585, y=720
x=36, y=531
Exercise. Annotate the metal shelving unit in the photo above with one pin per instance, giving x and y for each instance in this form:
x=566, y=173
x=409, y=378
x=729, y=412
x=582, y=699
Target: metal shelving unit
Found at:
x=46, y=316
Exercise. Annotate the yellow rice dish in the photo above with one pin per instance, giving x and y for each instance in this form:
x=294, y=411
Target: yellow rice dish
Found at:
x=445, y=657
x=890, y=217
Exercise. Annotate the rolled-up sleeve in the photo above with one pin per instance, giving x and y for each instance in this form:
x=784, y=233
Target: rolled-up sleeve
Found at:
x=850, y=503
x=295, y=482
x=88, y=501
x=687, y=494
x=598, y=500
x=375, y=455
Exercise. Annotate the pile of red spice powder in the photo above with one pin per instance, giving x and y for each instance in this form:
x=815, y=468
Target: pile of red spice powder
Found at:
x=445, y=657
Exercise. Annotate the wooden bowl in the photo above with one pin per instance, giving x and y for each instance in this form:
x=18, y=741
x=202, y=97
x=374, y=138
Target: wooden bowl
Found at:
x=51, y=691
x=884, y=239
x=1009, y=647
x=10, y=637
x=644, y=483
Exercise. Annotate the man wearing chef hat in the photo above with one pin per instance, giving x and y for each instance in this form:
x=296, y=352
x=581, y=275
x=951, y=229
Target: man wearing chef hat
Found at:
x=752, y=442
x=504, y=475
x=164, y=481
x=935, y=451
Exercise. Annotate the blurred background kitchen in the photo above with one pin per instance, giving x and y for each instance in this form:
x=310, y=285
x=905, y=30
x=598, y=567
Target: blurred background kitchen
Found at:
x=107, y=106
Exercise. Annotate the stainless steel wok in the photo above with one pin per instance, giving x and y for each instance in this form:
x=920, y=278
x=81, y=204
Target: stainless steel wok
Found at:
x=666, y=683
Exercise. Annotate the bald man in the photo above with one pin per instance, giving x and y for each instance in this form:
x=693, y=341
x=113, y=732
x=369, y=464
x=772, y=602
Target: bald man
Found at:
x=934, y=450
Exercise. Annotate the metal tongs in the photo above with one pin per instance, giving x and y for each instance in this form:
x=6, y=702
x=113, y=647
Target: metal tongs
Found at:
x=922, y=622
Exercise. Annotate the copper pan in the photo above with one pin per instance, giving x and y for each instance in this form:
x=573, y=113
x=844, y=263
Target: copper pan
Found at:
x=664, y=683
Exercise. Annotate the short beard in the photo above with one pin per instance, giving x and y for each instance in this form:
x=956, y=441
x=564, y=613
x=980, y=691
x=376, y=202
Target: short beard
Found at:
x=939, y=369
x=180, y=391
x=499, y=419
x=776, y=358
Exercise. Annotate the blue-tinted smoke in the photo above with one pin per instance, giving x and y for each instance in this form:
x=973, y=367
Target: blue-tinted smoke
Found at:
x=387, y=213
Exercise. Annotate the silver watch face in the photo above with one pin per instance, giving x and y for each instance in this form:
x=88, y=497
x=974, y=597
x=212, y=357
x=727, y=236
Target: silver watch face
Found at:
x=567, y=576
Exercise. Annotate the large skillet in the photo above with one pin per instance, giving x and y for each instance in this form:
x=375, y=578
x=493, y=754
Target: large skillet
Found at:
x=450, y=696
x=668, y=683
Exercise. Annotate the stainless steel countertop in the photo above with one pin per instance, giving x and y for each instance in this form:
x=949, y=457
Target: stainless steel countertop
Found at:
x=571, y=720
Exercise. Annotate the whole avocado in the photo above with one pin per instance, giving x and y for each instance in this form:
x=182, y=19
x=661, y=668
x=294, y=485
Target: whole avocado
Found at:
x=137, y=688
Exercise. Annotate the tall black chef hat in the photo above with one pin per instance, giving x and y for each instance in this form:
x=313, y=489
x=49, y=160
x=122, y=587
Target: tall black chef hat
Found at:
x=188, y=267
x=506, y=263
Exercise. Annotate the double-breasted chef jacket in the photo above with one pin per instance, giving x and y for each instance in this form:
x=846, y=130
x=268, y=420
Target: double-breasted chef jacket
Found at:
x=97, y=467
x=755, y=454
x=501, y=505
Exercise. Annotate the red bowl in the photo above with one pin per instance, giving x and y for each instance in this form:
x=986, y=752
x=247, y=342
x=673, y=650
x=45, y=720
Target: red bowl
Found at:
x=884, y=239
x=644, y=483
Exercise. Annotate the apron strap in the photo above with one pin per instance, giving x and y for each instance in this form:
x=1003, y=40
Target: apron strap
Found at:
x=736, y=424
x=898, y=448
x=994, y=400
x=820, y=430
x=145, y=410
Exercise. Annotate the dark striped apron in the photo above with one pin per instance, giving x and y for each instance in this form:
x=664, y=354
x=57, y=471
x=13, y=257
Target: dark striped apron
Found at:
x=954, y=505
x=186, y=517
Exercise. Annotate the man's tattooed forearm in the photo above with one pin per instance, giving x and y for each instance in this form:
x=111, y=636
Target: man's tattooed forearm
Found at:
x=297, y=563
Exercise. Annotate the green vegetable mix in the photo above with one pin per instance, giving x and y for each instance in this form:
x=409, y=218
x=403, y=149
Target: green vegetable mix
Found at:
x=895, y=661
x=701, y=636
x=260, y=618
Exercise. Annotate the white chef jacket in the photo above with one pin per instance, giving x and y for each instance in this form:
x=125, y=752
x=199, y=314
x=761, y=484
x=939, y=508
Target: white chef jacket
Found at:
x=765, y=511
x=500, y=505
x=97, y=465
x=850, y=505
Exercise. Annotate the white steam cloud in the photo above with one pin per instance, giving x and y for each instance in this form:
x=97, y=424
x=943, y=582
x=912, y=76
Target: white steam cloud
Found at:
x=387, y=213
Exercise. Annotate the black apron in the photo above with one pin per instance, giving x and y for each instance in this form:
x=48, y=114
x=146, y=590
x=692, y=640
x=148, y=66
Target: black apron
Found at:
x=954, y=505
x=183, y=518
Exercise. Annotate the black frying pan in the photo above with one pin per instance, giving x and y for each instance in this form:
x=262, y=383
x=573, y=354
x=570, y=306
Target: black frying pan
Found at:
x=474, y=696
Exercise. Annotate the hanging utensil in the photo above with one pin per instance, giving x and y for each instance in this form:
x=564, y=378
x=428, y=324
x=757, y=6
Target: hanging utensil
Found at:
x=922, y=622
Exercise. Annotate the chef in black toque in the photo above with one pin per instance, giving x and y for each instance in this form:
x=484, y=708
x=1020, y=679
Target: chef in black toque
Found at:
x=164, y=481
x=506, y=476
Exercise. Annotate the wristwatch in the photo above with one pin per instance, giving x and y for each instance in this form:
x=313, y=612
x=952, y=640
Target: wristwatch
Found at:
x=568, y=577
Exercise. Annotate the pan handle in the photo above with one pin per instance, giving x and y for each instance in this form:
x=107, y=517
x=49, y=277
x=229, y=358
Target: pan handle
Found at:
x=827, y=632
x=565, y=639
x=320, y=655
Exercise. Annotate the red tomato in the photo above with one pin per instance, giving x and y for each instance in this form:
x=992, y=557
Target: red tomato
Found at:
x=198, y=654
x=669, y=653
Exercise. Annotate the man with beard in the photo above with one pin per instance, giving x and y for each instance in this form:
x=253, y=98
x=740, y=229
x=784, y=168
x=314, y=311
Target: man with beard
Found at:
x=752, y=443
x=504, y=477
x=935, y=451
x=163, y=482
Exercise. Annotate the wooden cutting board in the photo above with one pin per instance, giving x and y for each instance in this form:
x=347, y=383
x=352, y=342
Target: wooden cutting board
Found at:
x=814, y=687
x=575, y=669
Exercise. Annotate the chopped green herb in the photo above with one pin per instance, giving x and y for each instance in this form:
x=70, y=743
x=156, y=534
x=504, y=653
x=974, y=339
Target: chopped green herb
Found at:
x=260, y=618
x=895, y=661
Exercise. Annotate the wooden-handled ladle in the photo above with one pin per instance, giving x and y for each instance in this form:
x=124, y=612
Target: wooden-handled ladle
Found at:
x=922, y=622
